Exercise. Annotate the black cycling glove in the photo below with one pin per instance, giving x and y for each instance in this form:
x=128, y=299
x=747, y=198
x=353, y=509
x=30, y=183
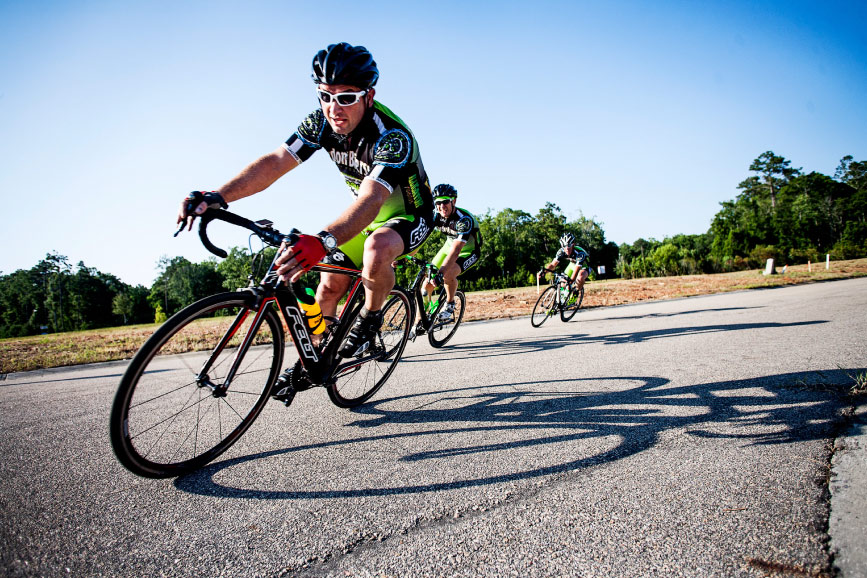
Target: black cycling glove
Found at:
x=213, y=199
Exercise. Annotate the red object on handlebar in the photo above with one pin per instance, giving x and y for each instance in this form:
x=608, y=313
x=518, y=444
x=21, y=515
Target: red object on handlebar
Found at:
x=308, y=251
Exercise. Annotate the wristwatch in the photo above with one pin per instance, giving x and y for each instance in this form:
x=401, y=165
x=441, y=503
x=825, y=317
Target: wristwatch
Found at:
x=329, y=241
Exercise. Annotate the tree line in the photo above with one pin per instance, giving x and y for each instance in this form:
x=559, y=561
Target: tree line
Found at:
x=780, y=213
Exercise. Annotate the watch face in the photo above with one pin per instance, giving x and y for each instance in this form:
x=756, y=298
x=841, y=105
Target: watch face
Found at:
x=329, y=241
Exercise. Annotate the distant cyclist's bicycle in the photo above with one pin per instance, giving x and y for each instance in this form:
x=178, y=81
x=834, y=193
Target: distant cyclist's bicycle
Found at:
x=202, y=379
x=439, y=331
x=560, y=296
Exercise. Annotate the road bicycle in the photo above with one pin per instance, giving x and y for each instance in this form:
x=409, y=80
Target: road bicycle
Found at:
x=439, y=332
x=203, y=377
x=560, y=296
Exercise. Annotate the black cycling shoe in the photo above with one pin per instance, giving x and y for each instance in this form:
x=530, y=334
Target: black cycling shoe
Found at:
x=283, y=389
x=361, y=336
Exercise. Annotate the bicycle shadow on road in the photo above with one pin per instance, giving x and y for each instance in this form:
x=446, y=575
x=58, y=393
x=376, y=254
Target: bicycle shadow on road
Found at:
x=567, y=423
x=502, y=347
x=667, y=314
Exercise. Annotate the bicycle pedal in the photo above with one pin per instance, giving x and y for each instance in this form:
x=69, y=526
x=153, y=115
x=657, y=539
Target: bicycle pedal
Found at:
x=362, y=349
x=286, y=395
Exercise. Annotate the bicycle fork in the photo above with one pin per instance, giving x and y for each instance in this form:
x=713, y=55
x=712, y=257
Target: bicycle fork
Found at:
x=203, y=378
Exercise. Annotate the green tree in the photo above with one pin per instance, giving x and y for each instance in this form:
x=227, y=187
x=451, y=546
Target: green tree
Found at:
x=22, y=298
x=181, y=282
x=122, y=305
x=237, y=267
x=774, y=171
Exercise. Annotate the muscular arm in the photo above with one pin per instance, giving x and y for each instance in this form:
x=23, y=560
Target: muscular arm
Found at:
x=259, y=175
x=371, y=196
x=353, y=220
x=552, y=265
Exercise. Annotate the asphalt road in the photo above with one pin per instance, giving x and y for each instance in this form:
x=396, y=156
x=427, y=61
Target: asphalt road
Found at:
x=691, y=437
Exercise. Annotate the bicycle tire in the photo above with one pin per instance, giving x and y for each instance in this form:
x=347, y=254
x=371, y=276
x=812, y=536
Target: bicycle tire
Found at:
x=357, y=380
x=440, y=333
x=568, y=311
x=545, y=307
x=164, y=421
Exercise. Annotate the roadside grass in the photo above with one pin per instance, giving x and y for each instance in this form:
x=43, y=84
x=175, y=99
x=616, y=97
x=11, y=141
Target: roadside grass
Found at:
x=72, y=348
x=112, y=344
x=859, y=381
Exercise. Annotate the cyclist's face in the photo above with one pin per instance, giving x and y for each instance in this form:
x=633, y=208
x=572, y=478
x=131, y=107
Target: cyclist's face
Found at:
x=445, y=208
x=345, y=119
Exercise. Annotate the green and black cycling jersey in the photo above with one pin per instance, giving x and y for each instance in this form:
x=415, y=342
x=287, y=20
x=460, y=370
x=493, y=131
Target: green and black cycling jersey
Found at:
x=579, y=256
x=381, y=148
x=461, y=225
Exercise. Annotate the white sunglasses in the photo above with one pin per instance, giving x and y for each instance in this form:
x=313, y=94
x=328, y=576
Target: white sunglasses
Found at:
x=342, y=98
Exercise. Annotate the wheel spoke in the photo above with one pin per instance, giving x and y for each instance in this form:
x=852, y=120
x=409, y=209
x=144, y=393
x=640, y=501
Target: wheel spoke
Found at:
x=357, y=380
x=160, y=428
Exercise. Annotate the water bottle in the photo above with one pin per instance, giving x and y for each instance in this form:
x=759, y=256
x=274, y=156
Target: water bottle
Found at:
x=307, y=301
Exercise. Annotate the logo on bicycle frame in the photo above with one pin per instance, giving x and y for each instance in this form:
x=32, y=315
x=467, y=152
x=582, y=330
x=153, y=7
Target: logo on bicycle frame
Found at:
x=301, y=334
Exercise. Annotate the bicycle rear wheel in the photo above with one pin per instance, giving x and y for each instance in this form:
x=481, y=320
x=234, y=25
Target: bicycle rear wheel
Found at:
x=177, y=406
x=357, y=379
x=545, y=307
x=441, y=332
x=572, y=304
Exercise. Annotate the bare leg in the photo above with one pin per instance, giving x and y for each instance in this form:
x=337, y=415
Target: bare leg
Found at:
x=382, y=247
x=331, y=288
x=582, y=277
x=450, y=277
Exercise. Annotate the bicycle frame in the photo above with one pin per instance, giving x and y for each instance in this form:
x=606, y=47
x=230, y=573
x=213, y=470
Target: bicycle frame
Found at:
x=426, y=271
x=320, y=365
x=168, y=424
x=560, y=281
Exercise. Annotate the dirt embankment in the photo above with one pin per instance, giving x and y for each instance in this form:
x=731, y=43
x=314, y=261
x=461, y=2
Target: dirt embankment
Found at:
x=508, y=303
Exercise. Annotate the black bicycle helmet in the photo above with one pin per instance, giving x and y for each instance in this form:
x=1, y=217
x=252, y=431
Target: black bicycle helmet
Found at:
x=567, y=240
x=345, y=64
x=445, y=191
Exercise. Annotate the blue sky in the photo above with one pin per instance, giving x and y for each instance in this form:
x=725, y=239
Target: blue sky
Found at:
x=641, y=115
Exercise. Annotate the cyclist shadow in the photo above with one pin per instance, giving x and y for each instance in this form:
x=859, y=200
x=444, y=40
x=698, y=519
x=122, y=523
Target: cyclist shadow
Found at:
x=500, y=419
x=498, y=348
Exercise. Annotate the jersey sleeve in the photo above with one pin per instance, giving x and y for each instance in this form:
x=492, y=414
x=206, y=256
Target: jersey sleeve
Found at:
x=391, y=155
x=464, y=228
x=308, y=138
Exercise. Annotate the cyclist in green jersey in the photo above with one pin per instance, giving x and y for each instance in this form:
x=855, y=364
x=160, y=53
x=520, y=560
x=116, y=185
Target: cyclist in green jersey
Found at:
x=577, y=270
x=462, y=246
x=380, y=161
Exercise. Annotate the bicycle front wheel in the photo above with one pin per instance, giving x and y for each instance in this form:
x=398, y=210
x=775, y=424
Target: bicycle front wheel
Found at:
x=545, y=307
x=357, y=379
x=572, y=304
x=441, y=331
x=196, y=385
